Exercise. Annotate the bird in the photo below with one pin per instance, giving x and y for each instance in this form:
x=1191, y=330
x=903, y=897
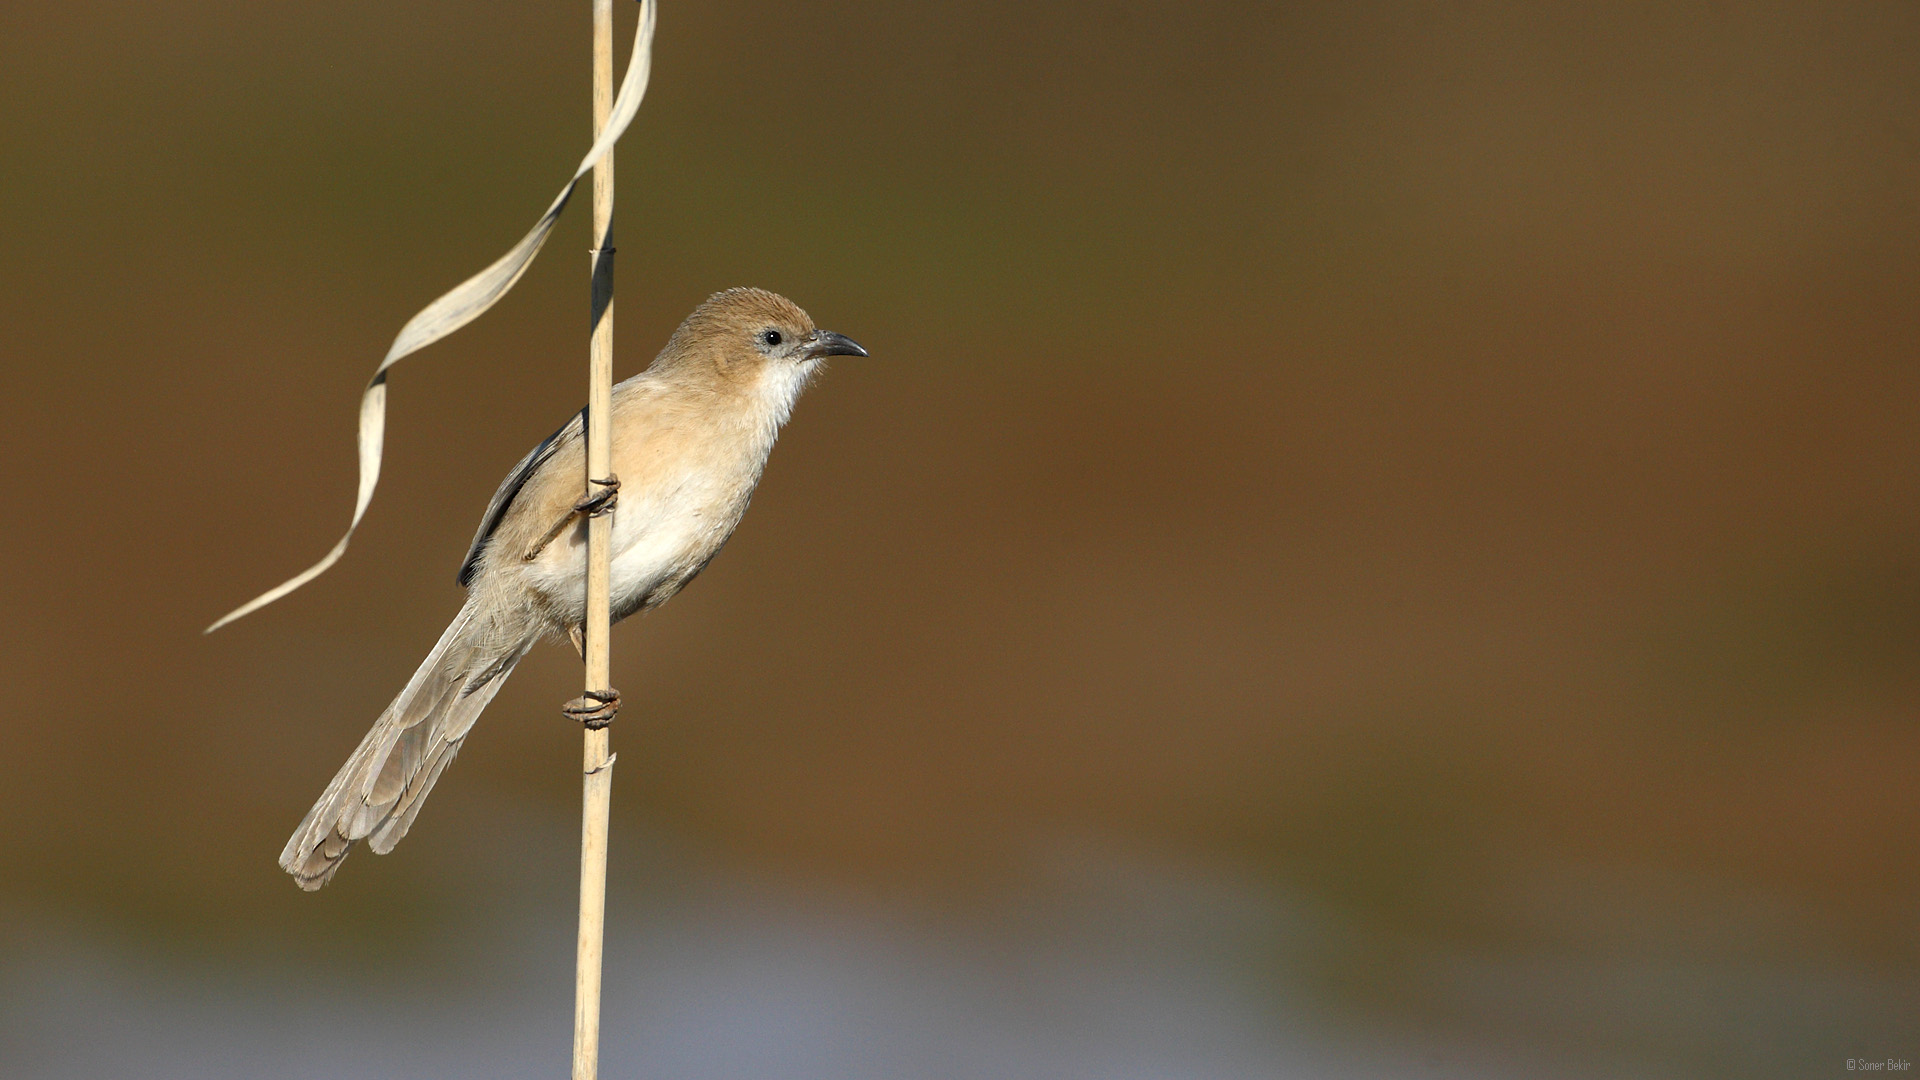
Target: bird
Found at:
x=691, y=435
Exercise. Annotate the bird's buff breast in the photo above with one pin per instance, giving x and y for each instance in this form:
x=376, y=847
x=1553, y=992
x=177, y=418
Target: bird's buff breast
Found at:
x=665, y=528
x=688, y=461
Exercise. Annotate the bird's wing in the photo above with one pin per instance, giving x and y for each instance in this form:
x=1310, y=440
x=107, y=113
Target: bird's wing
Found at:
x=517, y=479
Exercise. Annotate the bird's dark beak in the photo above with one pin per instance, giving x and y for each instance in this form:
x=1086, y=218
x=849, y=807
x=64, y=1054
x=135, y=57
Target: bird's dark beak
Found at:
x=828, y=343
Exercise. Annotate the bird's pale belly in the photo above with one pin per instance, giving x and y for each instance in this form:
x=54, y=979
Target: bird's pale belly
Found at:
x=659, y=542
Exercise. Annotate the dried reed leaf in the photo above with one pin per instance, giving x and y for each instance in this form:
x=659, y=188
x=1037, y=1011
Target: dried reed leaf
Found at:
x=465, y=303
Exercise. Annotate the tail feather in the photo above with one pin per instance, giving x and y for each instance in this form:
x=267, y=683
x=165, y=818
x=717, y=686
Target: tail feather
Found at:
x=383, y=784
x=408, y=807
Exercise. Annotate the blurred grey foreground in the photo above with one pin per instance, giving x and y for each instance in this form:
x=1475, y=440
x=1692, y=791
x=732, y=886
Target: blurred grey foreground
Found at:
x=1113, y=965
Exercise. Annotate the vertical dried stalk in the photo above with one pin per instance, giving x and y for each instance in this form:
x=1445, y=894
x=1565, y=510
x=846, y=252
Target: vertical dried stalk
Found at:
x=598, y=785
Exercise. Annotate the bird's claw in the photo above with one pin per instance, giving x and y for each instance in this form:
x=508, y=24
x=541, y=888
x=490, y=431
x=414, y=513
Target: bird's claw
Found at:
x=602, y=500
x=594, y=505
x=594, y=708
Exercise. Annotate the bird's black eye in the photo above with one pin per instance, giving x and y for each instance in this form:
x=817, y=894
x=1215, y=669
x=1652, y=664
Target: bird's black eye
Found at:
x=770, y=338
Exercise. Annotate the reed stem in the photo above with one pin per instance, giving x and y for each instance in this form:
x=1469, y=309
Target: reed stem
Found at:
x=597, y=789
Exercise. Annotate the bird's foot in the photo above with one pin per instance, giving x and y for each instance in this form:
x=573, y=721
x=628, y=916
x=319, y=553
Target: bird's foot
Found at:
x=602, y=501
x=595, y=708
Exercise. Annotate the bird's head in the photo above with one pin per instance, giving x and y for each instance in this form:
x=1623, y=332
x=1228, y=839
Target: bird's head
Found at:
x=754, y=336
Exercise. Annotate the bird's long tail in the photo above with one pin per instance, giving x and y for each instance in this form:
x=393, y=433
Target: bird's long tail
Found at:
x=380, y=789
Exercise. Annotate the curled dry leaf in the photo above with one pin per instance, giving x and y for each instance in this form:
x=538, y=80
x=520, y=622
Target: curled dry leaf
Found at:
x=463, y=304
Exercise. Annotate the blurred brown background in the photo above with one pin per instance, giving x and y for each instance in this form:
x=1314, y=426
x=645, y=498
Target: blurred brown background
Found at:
x=1377, y=539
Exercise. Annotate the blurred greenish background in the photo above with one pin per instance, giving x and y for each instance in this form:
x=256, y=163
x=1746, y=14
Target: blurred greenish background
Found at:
x=1377, y=540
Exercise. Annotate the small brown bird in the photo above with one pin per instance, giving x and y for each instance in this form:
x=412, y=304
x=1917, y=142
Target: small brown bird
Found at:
x=691, y=435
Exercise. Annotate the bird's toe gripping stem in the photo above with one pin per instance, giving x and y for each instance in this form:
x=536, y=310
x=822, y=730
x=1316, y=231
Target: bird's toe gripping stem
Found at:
x=594, y=708
x=606, y=493
x=605, y=496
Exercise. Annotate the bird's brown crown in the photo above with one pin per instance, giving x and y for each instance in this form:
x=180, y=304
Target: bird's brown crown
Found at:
x=732, y=330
